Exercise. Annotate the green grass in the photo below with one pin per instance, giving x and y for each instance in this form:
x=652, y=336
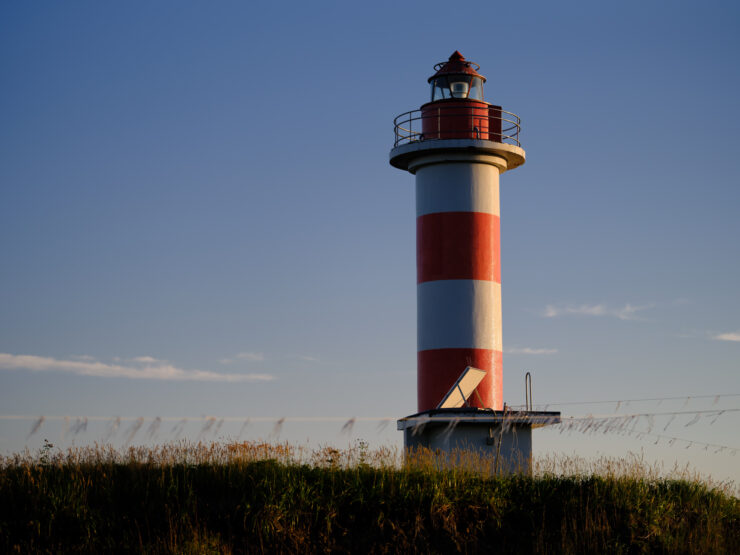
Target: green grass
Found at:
x=249, y=497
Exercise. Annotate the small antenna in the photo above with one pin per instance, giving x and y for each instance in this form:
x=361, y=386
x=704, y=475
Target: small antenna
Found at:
x=463, y=388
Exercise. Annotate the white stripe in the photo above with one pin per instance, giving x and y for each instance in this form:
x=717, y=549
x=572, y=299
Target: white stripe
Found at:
x=457, y=188
x=458, y=313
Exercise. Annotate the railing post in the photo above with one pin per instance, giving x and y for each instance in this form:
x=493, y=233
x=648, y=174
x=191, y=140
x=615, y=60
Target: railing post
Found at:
x=491, y=126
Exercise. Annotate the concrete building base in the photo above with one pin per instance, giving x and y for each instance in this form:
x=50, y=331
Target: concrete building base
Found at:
x=485, y=440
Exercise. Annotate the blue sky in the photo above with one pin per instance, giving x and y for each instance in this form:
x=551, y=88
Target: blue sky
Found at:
x=190, y=191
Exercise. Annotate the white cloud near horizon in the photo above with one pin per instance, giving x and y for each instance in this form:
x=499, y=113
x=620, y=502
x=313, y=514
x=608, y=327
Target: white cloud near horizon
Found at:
x=729, y=336
x=252, y=356
x=307, y=358
x=627, y=312
x=146, y=360
x=246, y=355
x=257, y=357
x=528, y=351
x=147, y=368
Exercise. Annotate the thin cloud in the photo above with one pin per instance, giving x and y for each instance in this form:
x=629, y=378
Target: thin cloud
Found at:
x=256, y=357
x=247, y=355
x=144, y=370
x=552, y=311
x=145, y=360
x=729, y=336
x=627, y=312
x=307, y=358
x=529, y=351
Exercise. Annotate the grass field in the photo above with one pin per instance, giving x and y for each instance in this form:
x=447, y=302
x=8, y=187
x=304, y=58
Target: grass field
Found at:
x=257, y=497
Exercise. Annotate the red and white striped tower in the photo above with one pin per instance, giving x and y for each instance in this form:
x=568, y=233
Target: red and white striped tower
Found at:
x=457, y=145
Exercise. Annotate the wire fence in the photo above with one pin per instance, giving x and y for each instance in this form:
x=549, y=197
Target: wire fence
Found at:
x=652, y=426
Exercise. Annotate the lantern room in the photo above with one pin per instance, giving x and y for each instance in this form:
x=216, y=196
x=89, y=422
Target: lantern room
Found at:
x=457, y=78
x=457, y=109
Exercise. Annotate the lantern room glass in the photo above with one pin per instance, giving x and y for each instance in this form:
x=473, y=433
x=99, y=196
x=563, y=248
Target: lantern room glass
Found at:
x=457, y=86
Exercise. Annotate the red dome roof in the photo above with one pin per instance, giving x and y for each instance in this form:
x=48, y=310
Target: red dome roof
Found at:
x=456, y=65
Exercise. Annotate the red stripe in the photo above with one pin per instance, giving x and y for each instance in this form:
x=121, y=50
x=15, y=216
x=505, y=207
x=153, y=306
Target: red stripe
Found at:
x=439, y=368
x=458, y=245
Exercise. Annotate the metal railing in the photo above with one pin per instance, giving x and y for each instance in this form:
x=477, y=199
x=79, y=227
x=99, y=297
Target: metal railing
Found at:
x=456, y=122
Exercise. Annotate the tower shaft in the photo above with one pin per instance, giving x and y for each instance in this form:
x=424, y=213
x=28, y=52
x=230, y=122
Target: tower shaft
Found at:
x=458, y=279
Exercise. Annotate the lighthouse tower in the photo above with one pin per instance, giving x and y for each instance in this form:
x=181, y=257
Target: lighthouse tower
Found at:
x=457, y=145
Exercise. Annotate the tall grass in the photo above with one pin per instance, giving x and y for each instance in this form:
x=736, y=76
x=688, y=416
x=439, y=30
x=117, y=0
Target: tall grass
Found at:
x=257, y=497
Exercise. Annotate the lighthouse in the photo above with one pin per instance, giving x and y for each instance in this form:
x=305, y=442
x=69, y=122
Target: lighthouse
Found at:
x=457, y=145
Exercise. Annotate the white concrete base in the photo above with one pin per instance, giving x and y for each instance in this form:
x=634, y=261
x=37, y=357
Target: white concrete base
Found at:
x=486, y=441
